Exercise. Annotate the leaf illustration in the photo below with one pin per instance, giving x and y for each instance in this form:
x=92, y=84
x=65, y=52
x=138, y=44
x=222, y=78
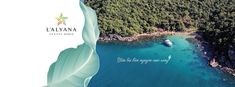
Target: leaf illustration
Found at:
x=76, y=66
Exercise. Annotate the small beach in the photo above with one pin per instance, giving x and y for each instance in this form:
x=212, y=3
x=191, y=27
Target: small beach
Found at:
x=114, y=37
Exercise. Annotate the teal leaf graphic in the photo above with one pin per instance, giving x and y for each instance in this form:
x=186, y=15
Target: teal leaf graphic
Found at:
x=76, y=66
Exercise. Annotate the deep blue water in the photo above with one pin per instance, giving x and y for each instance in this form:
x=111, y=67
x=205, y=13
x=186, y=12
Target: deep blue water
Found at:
x=186, y=68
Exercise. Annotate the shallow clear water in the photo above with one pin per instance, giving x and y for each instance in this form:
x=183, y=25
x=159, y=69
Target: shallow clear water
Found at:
x=125, y=65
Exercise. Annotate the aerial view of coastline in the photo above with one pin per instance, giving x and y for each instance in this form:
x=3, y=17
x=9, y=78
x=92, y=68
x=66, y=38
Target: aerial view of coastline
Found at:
x=165, y=43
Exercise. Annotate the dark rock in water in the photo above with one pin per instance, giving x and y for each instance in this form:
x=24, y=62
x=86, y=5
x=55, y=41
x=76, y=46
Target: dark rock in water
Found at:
x=192, y=40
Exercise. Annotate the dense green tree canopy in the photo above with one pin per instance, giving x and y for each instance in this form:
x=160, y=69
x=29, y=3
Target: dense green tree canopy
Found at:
x=129, y=17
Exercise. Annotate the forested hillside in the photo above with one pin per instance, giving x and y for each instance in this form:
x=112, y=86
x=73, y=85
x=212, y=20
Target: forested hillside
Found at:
x=129, y=17
x=214, y=20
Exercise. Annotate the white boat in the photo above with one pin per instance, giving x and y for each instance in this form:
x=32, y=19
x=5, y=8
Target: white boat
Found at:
x=168, y=42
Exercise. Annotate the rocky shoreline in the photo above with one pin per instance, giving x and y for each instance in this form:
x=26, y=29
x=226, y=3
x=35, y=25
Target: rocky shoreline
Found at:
x=215, y=64
x=201, y=44
x=203, y=48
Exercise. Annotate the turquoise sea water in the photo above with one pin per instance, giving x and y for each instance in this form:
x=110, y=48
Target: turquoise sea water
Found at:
x=125, y=65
